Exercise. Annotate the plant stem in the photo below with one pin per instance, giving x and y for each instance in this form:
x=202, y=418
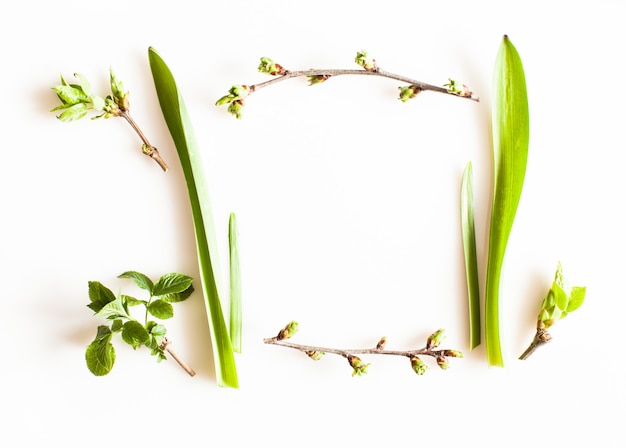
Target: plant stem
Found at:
x=167, y=346
x=147, y=148
x=541, y=337
x=337, y=72
x=346, y=353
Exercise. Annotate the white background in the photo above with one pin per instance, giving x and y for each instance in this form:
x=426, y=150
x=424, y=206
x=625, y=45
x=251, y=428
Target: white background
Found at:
x=348, y=208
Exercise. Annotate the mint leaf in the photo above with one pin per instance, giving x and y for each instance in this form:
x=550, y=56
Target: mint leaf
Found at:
x=161, y=309
x=171, y=284
x=134, y=334
x=114, y=310
x=100, y=354
x=140, y=280
x=178, y=296
x=99, y=295
x=131, y=301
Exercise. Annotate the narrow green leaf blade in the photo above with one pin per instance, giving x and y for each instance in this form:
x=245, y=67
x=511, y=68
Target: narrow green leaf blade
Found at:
x=511, y=134
x=179, y=125
x=235, y=285
x=471, y=259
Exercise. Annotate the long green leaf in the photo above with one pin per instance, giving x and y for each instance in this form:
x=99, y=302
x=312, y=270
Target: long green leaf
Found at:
x=181, y=130
x=471, y=260
x=235, y=285
x=510, y=127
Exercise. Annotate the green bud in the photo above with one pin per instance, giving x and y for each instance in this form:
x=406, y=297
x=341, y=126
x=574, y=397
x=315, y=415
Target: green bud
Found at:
x=418, y=365
x=270, y=67
x=360, y=368
x=120, y=95
x=408, y=92
x=317, y=79
x=314, y=355
x=235, y=108
x=442, y=362
x=452, y=353
x=234, y=99
x=366, y=61
x=457, y=88
x=435, y=339
x=288, y=331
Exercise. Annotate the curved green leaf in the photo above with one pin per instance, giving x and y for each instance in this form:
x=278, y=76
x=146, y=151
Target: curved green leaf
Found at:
x=511, y=133
x=471, y=261
x=181, y=130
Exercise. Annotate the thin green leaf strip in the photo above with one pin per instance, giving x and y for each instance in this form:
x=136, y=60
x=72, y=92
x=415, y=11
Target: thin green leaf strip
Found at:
x=181, y=130
x=235, y=286
x=471, y=260
x=511, y=133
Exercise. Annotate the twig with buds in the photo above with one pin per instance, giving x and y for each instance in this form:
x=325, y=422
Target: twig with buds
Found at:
x=78, y=99
x=359, y=367
x=238, y=93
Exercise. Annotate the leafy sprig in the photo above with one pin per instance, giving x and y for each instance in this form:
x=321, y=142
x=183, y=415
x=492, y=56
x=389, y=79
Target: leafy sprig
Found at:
x=168, y=289
x=359, y=367
x=558, y=303
x=78, y=99
x=235, y=99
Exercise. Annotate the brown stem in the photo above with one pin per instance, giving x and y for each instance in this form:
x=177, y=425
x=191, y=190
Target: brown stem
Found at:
x=376, y=72
x=167, y=346
x=541, y=337
x=147, y=148
x=360, y=351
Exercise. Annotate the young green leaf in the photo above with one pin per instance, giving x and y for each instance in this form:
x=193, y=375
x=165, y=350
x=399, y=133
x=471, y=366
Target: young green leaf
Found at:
x=100, y=354
x=161, y=309
x=134, y=334
x=141, y=280
x=116, y=309
x=99, y=295
x=171, y=284
x=235, y=286
x=181, y=130
x=510, y=127
x=471, y=261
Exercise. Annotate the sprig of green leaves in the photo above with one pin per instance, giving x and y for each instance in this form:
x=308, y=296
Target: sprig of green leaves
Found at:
x=560, y=301
x=168, y=289
x=78, y=99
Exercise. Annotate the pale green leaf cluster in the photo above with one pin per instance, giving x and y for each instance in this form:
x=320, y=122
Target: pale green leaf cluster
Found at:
x=169, y=288
x=77, y=99
x=560, y=301
x=181, y=130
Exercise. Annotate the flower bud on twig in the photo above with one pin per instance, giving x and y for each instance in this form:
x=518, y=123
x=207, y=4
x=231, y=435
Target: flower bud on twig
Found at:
x=418, y=365
x=360, y=368
x=435, y=339
x=290, y=329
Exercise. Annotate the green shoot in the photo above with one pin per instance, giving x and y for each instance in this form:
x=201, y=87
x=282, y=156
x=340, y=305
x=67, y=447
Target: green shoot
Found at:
x=170, y=288
x=181, y=130
x=558, y=303
x=469, y=250
x=510, y=123
x=235, y=286
x=77, y=100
